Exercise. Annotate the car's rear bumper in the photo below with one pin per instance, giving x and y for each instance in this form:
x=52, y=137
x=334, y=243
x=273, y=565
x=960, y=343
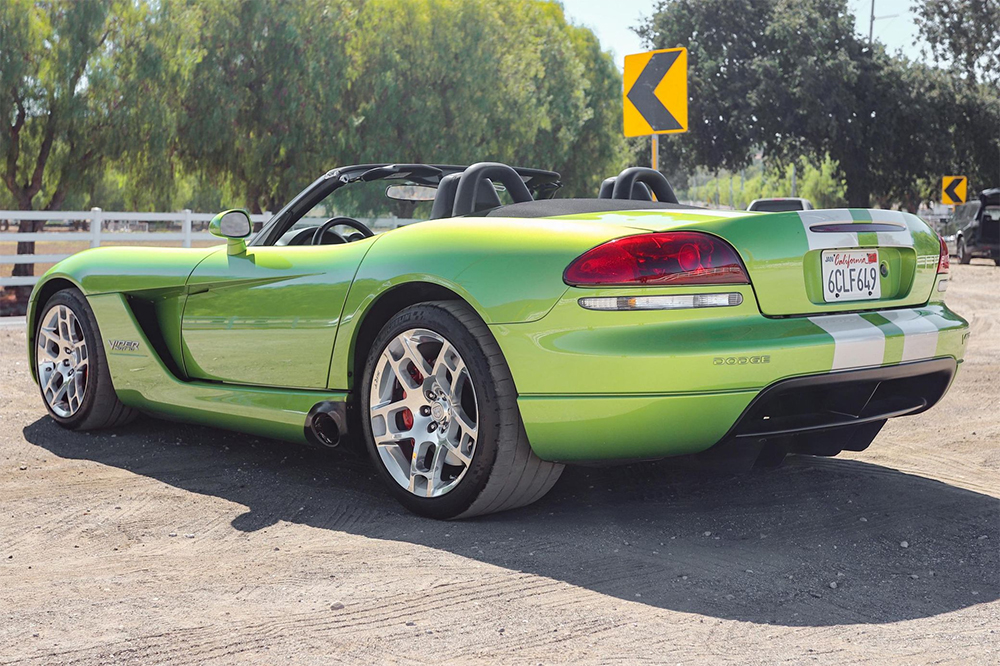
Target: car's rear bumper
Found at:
x=579, y=428
x=624, y=385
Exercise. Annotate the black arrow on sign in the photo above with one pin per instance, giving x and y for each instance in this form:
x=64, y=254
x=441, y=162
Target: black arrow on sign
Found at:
x=647, y=103
x=950, y=189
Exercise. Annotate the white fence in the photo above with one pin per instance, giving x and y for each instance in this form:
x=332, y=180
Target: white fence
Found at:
x=102, y=228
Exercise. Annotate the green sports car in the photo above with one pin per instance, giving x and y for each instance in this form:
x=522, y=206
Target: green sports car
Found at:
x=509, y=333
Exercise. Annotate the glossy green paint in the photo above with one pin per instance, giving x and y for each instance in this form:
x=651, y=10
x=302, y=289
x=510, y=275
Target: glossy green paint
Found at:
x=133, y=270
x=155, y=273
x=578, y=351
x=785, y=271
x=632, y=427
x=592, y=384
x=268, y=316
x=142, y=381
x=509, y=270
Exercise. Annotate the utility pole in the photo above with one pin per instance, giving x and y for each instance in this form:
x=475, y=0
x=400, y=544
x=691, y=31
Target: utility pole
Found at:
x=871, y=25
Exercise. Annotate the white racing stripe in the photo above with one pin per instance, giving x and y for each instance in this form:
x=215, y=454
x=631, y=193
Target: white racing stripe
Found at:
x=828, y=241
x=920, y=333
x=857, y=341
x=901, y=238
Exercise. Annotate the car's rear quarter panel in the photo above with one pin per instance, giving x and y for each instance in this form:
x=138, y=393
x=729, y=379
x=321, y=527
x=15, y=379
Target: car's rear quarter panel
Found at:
x=508, y=270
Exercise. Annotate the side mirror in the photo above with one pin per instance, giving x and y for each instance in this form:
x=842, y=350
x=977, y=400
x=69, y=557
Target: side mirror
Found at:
x=233, y=225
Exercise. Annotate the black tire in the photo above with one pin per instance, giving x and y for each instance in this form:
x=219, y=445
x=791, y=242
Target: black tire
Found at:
x=963, y=252
x=100, y=407
x=504, y=472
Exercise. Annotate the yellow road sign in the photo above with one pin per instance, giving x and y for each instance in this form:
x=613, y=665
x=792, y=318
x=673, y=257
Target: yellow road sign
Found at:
x=656, y=100
x=953, y=189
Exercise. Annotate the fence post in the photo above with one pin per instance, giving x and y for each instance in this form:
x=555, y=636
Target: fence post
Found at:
x=186, y=227
x=96, y=221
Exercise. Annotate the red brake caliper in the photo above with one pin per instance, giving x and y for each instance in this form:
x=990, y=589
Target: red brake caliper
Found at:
x=406, y=414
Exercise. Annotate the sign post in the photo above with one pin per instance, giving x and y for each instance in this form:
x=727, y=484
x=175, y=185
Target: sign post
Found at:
x=954, y=190
x=655, y=98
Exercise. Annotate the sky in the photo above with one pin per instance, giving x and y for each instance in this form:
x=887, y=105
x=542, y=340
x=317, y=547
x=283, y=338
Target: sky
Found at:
x=611, y=21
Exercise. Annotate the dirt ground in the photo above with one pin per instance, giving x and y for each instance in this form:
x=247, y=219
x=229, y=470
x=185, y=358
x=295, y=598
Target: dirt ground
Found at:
x=164, y=543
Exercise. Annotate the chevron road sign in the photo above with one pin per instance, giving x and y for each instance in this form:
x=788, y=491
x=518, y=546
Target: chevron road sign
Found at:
x=656, y=100
x=954, y=189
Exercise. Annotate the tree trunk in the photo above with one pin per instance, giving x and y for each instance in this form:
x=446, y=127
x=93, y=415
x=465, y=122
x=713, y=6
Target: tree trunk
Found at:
x=23, y=292
x=26, y=247
x=859, y=190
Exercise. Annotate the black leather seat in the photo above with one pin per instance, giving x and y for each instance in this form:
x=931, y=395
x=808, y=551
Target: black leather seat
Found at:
x=640, y=192
x=444, y=200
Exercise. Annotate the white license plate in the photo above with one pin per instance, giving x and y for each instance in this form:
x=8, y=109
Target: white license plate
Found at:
x=850, y=275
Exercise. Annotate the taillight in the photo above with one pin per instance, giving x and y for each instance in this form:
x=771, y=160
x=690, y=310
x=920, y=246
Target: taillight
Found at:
x=944, y=261
x=659, y=259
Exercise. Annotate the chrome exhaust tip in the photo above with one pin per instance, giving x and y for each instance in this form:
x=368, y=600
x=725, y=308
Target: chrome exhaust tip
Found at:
x=326, y=424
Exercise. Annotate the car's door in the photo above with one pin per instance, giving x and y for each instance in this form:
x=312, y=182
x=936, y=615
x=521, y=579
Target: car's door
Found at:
x=269, y=316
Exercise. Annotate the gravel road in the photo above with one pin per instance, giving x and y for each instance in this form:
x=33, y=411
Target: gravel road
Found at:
x=165, y=543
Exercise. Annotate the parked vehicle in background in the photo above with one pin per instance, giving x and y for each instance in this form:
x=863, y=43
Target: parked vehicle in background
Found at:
x=780, y=204
x=977, y=227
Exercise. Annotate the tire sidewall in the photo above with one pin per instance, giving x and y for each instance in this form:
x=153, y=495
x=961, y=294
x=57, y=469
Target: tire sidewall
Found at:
x=963, y=252
x=439, y=320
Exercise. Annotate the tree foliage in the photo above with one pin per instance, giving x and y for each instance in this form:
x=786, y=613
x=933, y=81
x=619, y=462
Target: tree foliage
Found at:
x=792, y=78
x=82, y=84
x=965, y=34
x=264, y=111
x=460, y=81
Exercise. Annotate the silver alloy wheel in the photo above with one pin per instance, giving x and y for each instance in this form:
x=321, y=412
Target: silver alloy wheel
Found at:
x=424, y=413
x=63, y=361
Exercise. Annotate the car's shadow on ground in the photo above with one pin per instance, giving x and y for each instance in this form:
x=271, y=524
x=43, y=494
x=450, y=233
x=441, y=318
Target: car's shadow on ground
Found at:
x=763, y=547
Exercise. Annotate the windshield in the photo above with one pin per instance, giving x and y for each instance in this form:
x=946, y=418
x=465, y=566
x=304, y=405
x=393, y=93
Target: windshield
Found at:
x=966, y=213
x=365, y=202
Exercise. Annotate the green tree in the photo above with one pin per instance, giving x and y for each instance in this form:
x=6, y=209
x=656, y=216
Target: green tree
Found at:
x=453, y=81
x=264, y=112
x=791, y=78
x=84, y=83
x=724, y=39
x=964, y=34
x=598, y=149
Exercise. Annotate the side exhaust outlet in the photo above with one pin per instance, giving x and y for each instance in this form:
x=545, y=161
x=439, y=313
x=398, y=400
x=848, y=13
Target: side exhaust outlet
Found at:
x=326, y=424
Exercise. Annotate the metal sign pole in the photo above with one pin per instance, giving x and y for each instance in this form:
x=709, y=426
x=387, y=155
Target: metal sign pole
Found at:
x=656, y=152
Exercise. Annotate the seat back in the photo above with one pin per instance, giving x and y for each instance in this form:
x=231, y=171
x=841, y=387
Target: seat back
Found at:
x=444, y=200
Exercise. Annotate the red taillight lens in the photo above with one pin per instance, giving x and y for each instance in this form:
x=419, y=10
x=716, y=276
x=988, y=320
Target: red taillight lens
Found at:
x=666, y=259
x=944, y=261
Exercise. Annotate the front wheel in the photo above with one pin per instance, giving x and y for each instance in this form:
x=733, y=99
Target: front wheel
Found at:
x=440, y=416
x=72, y=369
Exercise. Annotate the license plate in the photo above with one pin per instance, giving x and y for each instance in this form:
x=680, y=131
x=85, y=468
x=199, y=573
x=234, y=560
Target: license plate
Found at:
x=850, y=275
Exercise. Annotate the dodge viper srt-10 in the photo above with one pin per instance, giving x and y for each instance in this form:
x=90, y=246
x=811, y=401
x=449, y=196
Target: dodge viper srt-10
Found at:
x=509, y=332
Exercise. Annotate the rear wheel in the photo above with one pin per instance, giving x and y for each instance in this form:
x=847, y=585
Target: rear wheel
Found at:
x=72, y=368
x=440, y=416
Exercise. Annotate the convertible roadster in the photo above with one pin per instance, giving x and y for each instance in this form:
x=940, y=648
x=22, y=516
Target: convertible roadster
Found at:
x=476, y=352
